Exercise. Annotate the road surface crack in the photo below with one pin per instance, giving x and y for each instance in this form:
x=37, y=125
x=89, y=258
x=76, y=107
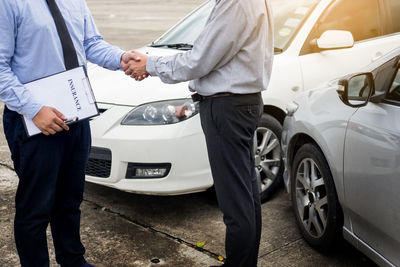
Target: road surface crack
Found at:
x=153, y=230
x=281, y=247
x=6, y=166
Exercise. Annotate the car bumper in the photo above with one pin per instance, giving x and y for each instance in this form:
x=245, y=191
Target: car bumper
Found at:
x=181, y=145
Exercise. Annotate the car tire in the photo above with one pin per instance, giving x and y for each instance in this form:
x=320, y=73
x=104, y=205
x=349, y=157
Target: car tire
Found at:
x=317, y=210
x=268, y=156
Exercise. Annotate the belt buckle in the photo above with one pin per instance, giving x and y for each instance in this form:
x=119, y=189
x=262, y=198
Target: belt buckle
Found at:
x=196, y=97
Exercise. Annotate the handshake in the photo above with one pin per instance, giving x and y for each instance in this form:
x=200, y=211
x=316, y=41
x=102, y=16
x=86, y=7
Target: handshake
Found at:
x=134, y=64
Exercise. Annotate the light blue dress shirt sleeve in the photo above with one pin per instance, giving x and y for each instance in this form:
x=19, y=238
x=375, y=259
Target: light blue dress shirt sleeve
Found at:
x=12, y=91
x=97, y=50
x=30, y=47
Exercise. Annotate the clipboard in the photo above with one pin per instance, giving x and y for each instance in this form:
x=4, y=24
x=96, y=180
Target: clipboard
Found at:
x=69, y=92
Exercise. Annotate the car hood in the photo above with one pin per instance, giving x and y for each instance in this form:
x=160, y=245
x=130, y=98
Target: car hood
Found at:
x=114, y=87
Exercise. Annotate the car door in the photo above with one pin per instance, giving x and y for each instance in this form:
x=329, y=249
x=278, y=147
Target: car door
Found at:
x=365, y=19
x=372, y=170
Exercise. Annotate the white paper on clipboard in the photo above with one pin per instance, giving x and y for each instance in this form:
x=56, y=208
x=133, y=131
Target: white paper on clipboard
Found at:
x=88, y=90
x=69, y=92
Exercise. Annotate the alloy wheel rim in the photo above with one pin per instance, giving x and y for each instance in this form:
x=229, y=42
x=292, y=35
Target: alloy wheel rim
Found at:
x=267, y=153
x=311, y=198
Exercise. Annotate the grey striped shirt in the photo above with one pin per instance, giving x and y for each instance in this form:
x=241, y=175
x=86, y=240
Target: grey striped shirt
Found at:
x=234, y=52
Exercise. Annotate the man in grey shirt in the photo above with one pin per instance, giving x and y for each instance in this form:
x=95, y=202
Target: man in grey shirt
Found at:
x=229, y=65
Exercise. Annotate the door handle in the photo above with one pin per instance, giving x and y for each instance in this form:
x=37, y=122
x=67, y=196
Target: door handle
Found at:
x=377, y=56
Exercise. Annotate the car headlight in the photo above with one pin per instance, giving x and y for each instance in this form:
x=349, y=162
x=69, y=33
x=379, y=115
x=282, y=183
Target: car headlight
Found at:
x=160, y=113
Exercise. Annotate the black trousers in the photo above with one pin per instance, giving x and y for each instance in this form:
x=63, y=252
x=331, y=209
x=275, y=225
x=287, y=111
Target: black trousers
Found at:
x=229, y=124
x=51, y=171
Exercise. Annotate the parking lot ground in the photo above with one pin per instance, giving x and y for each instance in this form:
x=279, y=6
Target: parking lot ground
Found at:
x=110, y=238
x=123, y=229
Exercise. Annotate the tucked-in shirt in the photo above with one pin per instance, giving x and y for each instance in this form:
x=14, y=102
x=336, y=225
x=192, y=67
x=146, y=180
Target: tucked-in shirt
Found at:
x=234, y=52
x=30, y=47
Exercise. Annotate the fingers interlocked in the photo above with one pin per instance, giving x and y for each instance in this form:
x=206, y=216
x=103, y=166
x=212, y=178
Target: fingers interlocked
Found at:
x=134, y=65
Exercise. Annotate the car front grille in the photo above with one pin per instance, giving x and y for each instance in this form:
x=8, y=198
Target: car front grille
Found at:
x=102, y=110
x=99, y=164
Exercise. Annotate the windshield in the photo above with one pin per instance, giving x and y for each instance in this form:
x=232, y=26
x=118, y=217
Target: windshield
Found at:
x=289, y=16
x=189, y=29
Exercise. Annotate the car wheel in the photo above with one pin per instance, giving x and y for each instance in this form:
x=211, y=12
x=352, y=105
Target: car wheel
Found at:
x=268, y=156
x=316, y=206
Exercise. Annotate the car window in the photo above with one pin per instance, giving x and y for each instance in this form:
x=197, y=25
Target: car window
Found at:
x=393, y=16
x=289, y=16
x=394, y=91
x=384, y=74
x=360, y=17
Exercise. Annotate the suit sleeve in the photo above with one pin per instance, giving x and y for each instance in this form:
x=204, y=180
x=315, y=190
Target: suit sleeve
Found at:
x=218, y=43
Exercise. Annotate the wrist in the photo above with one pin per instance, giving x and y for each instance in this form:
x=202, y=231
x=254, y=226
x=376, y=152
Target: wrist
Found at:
x=151, y=65
x=121, y=58
x=32, y=110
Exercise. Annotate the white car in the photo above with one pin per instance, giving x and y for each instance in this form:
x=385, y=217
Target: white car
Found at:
x=140, y=146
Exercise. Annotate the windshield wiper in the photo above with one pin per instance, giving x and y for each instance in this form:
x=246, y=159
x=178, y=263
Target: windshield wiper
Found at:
x=181, y=46
x=184, y=46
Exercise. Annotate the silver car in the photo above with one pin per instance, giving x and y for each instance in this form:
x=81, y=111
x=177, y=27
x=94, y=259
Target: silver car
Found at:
x=341, y=147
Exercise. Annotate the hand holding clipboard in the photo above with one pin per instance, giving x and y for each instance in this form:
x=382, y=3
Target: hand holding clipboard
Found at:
x=68, y=92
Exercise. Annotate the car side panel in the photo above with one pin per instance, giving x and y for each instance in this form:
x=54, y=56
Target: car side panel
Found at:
x=372, y=177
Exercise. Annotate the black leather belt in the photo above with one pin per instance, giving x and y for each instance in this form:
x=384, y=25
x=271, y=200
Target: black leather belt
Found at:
x=196, y=97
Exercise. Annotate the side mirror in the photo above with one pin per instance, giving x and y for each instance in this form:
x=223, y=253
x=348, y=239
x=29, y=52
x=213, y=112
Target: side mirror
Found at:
x=335, y=40
x=356, y=90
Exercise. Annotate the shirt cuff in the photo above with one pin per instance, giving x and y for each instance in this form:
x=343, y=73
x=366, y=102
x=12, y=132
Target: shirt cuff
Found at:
x=118, y=59
x=151, y=65
x=30, y=110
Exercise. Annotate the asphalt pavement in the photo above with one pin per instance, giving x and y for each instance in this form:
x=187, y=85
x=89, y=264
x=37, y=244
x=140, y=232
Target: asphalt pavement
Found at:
x=124, y=229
